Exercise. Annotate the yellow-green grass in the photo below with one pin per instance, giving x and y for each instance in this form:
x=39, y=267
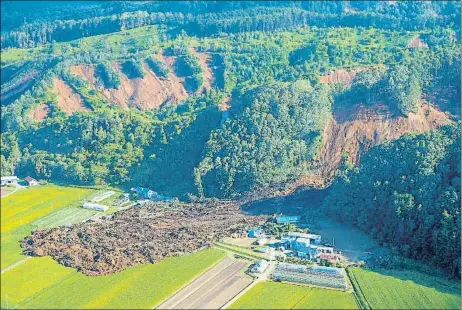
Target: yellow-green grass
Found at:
x=21, y=213
x=138, y=287
x=272, y=295
x=393, y=289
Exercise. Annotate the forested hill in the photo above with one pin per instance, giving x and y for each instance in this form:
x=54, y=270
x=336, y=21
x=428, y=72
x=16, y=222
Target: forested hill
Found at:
x=199, y=99
x=66, y=21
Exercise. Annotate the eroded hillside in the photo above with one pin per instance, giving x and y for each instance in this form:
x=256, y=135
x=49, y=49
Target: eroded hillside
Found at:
x=150, y=91
x=349, y=132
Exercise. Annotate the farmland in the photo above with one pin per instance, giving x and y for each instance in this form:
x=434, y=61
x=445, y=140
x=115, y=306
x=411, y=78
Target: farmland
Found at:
x=387, y=289
x=271, y=295
x=136, y=287
x=37, y=207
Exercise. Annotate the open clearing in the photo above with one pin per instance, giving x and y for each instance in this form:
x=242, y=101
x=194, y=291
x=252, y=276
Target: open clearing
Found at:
x=272, y=295
x=388, y=289
x=41, y=283
x=213, y=289
x=33, y=208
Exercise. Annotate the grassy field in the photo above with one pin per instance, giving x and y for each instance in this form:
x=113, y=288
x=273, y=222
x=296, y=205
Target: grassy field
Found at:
x=272, y=295
x=386, y=289
x=37, y=207
x=42, y=283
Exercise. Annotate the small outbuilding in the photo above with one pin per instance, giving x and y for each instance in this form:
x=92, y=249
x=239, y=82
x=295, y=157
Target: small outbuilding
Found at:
x=262, y=241
x=31, y=181
x=260, y=266
x=9, y=180
x=95, y=206
x=254, y=233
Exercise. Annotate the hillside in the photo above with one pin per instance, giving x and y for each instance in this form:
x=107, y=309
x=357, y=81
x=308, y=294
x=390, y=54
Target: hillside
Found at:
x=241, y=101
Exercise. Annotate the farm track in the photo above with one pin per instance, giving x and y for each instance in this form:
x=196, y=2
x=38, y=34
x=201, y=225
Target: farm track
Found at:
x=15, y=264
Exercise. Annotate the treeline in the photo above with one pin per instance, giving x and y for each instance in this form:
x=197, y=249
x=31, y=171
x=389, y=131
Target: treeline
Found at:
x=406, y=194
x=275, y=131
x=231, y=18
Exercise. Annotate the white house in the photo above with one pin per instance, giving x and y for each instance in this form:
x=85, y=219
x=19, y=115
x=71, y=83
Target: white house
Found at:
x=31, y=181
x=260, y=266
x=95, y=206
x=9, y=180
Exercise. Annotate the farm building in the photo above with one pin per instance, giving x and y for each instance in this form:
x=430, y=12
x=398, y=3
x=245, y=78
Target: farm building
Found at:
x=305, y=245
x=95, y=206
x=262, y=241
x=9, y=180
x=31, y=181
x=285, y=219
x=146, y=193
x=260, y=266
x=255, y=233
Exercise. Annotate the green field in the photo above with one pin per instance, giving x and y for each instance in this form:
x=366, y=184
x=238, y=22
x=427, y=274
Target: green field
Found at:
x=37, y=207
x=386, y=289
x=272, y=295
x=41, y=283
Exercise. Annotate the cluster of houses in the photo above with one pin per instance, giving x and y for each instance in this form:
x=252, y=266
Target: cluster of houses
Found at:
x=13, y=180
x=303, y=245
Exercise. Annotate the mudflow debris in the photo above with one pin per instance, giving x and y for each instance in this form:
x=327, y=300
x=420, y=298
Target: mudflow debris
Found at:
x=139, y=235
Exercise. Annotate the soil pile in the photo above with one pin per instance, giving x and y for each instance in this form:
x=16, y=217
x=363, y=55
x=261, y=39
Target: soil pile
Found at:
x=139, y=235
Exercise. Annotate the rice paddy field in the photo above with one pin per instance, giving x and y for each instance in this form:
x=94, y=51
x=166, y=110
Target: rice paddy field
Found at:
x=392, y=289
x=41, y=283
x=273, y=295
x=37, y=207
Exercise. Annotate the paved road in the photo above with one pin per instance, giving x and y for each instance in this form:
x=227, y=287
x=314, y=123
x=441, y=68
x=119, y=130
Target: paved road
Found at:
x=213, y=289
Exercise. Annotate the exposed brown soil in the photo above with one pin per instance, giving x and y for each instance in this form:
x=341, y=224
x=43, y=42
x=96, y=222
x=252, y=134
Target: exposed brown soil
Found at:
x=353, y=131
x=40, y=112
x=370, y=127
x=147, y=93
x=342, y=76
x=139, y=235
x=417, y=42
x=68, y=100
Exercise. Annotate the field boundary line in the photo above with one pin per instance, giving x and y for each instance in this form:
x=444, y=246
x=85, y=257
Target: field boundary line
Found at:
x=15, y=264
x=360, y=298
x=303, y=297
x=37, y=294
x=189, y=282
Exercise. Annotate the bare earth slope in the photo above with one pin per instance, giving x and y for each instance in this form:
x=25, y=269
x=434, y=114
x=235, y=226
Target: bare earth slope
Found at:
x=40, y=112
x=139, y=235
x=68, y=100
x=354, y=131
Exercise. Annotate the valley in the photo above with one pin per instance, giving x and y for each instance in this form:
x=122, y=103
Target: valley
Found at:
x=230, y=155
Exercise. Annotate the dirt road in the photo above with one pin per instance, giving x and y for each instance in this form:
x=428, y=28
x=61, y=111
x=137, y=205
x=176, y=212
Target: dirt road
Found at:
x=213, y=289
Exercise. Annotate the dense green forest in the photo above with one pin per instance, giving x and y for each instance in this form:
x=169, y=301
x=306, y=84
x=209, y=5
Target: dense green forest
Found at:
x=267, y=62
x=406, y=194
x=270, y=141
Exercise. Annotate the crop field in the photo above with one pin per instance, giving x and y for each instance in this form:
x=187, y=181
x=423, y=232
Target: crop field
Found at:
x=386, y=289
x=272, y=295
x=42, y=283
x=37, y=207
